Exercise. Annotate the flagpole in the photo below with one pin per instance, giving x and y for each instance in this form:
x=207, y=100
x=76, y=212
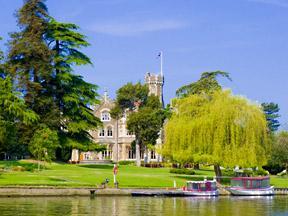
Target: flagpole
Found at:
x=161, y=63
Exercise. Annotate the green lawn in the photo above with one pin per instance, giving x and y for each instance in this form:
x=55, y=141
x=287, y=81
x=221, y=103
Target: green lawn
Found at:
x=68, y=175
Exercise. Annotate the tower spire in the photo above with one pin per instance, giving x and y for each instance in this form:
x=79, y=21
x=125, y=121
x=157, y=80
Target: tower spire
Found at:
x=105, y=94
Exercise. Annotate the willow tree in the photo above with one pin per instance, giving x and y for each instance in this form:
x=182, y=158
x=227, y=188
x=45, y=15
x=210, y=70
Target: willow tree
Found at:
x=219, y=129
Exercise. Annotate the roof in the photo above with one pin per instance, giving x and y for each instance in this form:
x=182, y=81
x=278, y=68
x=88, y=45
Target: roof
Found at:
x=251, y=178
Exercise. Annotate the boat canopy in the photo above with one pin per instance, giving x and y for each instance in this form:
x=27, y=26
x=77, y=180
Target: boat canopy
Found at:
x=201, y=186
x=251, y=182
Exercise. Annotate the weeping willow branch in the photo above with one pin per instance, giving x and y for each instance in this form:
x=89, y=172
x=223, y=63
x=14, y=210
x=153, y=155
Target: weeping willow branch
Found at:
x=218, y=128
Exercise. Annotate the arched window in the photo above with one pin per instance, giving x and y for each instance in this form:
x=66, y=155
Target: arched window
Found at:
x=105, y=116
x=101, y=132
x=109, y=131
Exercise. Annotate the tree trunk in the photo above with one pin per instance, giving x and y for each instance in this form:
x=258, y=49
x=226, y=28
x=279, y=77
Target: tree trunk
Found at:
x=138, y=159
x=218, y=172
x=196, y=166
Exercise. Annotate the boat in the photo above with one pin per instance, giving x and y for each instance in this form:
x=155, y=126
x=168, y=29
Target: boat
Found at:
x=251, y=186
x=201, y=188
x=192, y=188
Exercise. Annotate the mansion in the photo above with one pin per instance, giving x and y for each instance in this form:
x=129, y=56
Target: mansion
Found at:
x=114, y=134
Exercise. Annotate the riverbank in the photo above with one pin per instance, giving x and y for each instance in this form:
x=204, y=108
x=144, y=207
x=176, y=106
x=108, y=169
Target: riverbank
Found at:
x=52, y=191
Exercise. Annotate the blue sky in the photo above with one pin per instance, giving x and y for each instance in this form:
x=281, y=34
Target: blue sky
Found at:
x=247, y=38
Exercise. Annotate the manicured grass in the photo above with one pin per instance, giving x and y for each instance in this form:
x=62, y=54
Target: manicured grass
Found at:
x=68, y=175
x=60, y=174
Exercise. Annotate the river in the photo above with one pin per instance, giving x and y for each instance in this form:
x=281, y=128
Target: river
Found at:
x=108, y=206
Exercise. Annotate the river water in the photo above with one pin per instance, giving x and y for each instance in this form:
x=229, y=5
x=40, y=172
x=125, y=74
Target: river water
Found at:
x=106, y=206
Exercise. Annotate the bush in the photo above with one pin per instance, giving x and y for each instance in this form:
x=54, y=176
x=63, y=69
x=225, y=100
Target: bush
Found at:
x=273, y=168
x=124, y=162
x=183, y=171
x=152, y=165
x=18, y=168
x=261, y=172
x=229, y=173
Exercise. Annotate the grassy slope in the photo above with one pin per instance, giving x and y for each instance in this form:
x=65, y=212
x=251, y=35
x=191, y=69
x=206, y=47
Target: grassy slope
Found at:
x=58, y=174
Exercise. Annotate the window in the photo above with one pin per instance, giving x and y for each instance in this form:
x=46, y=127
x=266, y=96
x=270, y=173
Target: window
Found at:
x=131, y=154
x=129, y=133
x=109, y=132
x=105, y=116
x=153, y=155
x=101, y=132
x=107, y=154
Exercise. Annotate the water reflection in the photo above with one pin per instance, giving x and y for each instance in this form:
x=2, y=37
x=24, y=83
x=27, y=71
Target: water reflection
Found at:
x=240, y=206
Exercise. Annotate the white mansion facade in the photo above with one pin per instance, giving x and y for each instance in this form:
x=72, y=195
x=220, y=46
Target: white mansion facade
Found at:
x=114, y=134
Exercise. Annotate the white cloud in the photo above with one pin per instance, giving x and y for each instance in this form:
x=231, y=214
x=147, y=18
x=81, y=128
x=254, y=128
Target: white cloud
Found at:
x=280, y=3
x=135, y=28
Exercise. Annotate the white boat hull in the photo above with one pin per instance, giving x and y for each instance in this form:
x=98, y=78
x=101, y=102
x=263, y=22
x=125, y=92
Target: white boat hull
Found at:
x=201, y=193
x=251, y=192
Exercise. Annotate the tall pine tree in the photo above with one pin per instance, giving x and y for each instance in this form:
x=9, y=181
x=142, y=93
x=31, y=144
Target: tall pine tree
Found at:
x=41, y=57
x=29, y=64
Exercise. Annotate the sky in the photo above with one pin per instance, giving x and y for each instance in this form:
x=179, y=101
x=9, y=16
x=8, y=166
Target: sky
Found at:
x=247, y=38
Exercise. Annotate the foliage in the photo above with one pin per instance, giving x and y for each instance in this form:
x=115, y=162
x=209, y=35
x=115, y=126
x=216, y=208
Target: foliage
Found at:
x=183, y=171
x=280, y=149
x=206, y=84
x=145, y=114
x=29, y=65
x=12, y=111
x=43, y=144
x=220, y=129
x=131, y=96
x=40, y=61
x=273, y=168
x=271, y=111
x=125, y=162
x=146, y=125
x=74, y=96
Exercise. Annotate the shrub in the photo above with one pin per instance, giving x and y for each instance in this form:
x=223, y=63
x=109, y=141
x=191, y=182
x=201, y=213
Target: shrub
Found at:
x=261, y=172
x=229, y=173
x=273, y=168
x=18, y=168
x=124, y=162
x=183, y=171
x=152, y=165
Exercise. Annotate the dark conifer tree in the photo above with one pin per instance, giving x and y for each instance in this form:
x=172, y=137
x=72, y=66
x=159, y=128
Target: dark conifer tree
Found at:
x=29, y=63
x=271, y=111
x=40, y=60
x=74, y=96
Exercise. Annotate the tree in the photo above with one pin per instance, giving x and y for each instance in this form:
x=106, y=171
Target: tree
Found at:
x=206, y=84
x=74, y=96
x=29, y=56
x=271, y=111
x=146, y=124
x=221, y=129
x=116, y=113
x=43, y=144
x=145, y=114
x=280, y=150
x=40, y=61
x=13, y=111
x=29, y=65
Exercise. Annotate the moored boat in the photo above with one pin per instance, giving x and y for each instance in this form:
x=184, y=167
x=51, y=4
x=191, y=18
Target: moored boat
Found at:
x=251, y=186
x=201, y=188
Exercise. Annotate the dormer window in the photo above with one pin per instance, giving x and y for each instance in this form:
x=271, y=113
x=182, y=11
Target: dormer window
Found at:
x=105, y=116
